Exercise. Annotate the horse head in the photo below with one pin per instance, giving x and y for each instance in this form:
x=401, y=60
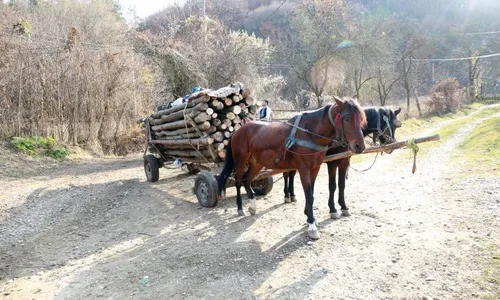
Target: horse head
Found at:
x=350, y=121
x=388, y=124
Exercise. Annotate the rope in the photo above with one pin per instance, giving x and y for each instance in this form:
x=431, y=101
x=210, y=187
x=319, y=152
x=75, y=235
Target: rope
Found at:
x=410, y=144
x=350, y=166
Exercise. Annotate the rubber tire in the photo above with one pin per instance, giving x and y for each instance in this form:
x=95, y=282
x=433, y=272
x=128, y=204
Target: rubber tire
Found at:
x=206, y=189
x=151, y=162
x=263, y=186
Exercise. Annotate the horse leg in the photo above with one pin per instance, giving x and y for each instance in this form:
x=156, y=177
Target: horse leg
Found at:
x=307, y=177
x=332, y=186
x=239, y=201
x=291, y=188
x=286, y=177
x=253, y=169
x=342, y=174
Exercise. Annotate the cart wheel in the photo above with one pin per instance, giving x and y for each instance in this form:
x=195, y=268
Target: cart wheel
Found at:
x=263, y=186
x=151, y=168
x=205, y=188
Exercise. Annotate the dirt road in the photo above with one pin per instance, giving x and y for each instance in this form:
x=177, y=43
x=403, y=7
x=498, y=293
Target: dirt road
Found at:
x=97, y=230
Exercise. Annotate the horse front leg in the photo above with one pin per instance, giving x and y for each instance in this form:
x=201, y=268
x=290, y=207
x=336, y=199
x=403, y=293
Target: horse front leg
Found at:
x=332, y=186
x=342, y=176
x=291, y=188
x=286, y=177
x=307, y=178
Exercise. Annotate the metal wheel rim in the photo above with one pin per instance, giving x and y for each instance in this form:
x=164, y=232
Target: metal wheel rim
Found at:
x=203, y=192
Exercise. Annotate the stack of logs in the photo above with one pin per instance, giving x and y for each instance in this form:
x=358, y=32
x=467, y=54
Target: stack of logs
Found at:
x=199, y=131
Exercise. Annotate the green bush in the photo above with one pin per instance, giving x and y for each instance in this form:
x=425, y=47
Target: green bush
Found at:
x=37, y=146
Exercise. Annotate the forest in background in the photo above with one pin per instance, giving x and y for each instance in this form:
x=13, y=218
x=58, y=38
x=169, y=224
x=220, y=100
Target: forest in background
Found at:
x=84, y=71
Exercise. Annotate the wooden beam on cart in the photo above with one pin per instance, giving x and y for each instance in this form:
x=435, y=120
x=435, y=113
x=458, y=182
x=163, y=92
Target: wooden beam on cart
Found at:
x=393, y=146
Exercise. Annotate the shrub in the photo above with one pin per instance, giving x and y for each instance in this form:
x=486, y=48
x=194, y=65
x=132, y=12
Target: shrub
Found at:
x=37, y=146
x=446, y=97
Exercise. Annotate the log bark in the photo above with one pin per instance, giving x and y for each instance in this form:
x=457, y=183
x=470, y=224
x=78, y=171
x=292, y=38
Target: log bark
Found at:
x=252, y=109
x=222, y=154
x=228, y=101
x=202, y=127
x=233, y=109
x=217, y=136
x=222, y=127
x=249, y=101
x=219, y=146
x=180, y=107
x=185, y=142
x=215, y=122
x=200, y=118
x=245, y=93
x=187, y=153
x=180, y=114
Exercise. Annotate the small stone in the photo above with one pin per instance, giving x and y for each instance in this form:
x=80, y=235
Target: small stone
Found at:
x=309, y=243
x=378, y=225
x=426, y=298
x=430, y=279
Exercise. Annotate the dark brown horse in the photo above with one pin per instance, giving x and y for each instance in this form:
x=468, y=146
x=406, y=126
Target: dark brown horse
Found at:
x=382, y=122
x=300, y=143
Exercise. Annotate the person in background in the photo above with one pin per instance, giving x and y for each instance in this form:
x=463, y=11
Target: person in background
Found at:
x=265, y=113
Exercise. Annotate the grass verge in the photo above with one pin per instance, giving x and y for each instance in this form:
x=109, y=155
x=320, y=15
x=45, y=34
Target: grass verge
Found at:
x=480, y=151
x=40, y=146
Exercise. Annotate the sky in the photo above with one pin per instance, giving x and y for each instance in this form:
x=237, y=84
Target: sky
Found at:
x=145, y=8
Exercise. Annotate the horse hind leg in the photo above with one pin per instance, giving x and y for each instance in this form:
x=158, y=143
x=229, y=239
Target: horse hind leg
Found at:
x=239, y=201
x=253, y=169
x=291, y=187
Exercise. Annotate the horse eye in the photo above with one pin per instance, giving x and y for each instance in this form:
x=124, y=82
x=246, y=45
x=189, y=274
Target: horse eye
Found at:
x=348, y=119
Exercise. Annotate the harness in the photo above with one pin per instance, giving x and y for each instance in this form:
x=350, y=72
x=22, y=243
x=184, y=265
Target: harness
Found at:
x=339, y=133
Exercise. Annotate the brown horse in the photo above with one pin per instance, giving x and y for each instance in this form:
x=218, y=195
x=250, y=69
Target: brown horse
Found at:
x=300, y=144
x=382, y=122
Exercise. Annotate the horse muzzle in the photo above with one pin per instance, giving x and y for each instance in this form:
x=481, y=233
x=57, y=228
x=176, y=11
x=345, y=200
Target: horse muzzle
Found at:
x=358, y=148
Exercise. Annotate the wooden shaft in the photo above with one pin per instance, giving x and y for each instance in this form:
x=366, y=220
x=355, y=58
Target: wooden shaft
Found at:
x=397, y=145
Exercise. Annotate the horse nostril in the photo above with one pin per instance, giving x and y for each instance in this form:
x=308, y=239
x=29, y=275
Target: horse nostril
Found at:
x=357, y=148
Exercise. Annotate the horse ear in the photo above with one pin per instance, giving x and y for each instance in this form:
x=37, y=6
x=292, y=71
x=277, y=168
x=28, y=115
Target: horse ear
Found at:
x=338, y=101
x=397, y=111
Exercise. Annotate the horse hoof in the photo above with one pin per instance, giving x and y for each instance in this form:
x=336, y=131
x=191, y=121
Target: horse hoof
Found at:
x=252, y=211
x=293, y=199
x=345, y=213
x=334, y=215
x=287, y=200
x=313, y=234
x=240, y=213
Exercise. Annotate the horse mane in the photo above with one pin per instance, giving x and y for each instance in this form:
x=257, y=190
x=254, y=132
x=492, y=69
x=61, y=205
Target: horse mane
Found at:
x=355, y=108
x=373, y=117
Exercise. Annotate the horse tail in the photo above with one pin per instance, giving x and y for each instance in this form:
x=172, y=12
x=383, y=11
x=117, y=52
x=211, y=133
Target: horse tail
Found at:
x=227, y=170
